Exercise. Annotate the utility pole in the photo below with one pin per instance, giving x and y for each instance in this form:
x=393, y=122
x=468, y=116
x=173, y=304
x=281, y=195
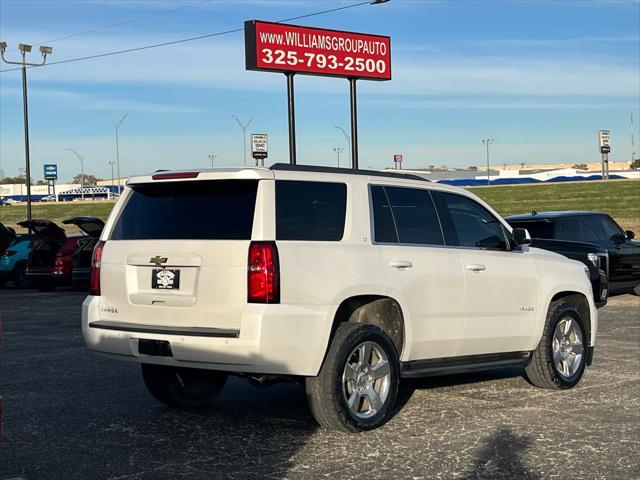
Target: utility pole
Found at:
x=488, y=142
x=633, y=142
x=81, y=170
x=212, y=157
x=244, y=135
x=348, y=140
x=111, y=164
x=338, y=151
x=24, y=49
x=118, y=124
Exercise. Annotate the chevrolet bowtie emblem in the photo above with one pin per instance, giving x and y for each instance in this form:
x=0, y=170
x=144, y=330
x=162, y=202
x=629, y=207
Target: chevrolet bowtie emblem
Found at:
x=158, y=260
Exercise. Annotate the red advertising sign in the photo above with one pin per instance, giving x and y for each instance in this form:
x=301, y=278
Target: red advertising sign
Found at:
x=277, y=47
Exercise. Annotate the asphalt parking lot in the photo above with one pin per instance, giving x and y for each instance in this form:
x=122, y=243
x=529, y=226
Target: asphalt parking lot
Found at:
x=70, y=414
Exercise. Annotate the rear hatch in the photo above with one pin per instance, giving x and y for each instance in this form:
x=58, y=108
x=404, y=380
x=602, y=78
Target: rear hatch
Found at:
x=50, y=238
x=92, y=228
x=176, y=254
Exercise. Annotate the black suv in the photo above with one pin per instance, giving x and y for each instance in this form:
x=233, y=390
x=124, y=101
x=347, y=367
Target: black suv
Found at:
x=585, y=236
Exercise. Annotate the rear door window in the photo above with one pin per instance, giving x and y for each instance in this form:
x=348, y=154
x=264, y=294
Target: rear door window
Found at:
x=310, y=210
x=537, y=229
x=194, y=210
x=405, y=215
x=469, y=224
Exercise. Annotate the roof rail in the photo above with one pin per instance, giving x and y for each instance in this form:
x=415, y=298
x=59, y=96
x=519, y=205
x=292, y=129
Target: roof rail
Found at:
x=348, y=171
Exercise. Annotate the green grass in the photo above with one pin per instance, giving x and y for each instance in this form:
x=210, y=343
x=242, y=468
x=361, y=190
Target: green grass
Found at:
x=619, y=198
x=10, y=215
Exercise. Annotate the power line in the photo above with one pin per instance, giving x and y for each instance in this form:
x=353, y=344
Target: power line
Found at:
x=124, y=22
x=191, y=39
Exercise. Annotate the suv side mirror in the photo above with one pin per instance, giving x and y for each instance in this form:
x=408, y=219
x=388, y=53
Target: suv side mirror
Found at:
x=521, y=237
x=630, y=235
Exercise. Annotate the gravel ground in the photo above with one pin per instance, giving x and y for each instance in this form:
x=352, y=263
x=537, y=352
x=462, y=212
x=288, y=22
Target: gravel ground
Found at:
x=69, y=414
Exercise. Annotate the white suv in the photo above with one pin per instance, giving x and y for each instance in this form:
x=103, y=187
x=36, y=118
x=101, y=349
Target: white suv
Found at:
x=346, y=280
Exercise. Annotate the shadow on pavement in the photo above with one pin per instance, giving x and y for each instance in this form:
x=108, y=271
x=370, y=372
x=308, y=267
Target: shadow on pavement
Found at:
x=502, y=457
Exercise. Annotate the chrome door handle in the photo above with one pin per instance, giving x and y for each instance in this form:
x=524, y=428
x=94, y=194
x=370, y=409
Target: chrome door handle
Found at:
x=476, y=267
x=400, y=264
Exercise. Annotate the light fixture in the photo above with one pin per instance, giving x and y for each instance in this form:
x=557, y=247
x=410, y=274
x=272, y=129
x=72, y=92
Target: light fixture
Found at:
x=24, y=48
x=46, y=50
x=3, y=46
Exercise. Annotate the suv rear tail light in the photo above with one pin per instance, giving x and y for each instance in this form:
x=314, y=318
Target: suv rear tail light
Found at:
x=94, y=276
x=263, y=276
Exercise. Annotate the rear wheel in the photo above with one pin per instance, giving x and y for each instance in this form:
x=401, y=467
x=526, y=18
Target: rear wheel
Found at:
x=357, y=385
x=44, y=285
x=560, y=359
x=20, y=279
x=182, y=387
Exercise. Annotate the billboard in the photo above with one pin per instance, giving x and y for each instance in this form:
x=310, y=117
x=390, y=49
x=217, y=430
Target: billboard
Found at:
x=50, y=171
x=278, y=47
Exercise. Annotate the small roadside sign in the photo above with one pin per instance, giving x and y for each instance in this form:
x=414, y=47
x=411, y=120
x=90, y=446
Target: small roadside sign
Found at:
x=260, y=145
x=397, y=158
x=604, y=141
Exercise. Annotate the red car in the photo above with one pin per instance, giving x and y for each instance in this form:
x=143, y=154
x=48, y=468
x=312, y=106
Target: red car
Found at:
x=52, y=256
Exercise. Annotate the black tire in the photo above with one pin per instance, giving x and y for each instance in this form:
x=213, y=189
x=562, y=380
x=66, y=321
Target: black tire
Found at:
x=326, y=393
x=182, y=387
x=20, y=279
x=542, y=370
x=636, y=290
x=45, y=285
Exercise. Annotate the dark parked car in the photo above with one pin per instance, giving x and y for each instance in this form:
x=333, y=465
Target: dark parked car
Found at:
x=92, y=227
x=7, y=235
x=52, y=254
x=594, y=230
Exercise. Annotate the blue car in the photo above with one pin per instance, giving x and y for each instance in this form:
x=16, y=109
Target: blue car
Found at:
x=13, y=262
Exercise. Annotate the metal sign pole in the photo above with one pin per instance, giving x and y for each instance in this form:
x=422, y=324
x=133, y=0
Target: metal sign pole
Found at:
x=606, y=166
x=292, y=118
x=602, y=161
x=354, y=124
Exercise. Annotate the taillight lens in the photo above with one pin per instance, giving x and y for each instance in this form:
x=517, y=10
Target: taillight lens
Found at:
x=94, y=276
x=8, y=253
x=263, y=273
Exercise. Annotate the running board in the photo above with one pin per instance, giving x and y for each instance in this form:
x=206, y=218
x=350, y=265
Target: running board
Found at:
x=469, y=363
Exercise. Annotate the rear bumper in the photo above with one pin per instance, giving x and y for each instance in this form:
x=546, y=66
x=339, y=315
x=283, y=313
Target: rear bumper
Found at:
x=272, y=339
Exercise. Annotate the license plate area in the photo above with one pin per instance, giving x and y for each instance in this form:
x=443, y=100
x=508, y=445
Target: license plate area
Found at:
x=165, y=279
x=155, y=348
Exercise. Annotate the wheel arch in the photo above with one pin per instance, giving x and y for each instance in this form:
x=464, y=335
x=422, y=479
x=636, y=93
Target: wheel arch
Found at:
x=380, y=310
x=580, y=301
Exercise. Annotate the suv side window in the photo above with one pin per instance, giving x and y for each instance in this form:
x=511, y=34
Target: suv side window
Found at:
x=468, y=224
x=405, y=215
x=383, y=223
x=310, y=210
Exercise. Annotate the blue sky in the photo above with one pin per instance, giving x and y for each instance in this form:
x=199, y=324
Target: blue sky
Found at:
x=540, y=76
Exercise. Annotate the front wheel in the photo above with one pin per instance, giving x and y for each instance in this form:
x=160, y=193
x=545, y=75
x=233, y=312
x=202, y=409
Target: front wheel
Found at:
x=20, y=279
x=358, y=382
x=560, y=359
x=182, y=387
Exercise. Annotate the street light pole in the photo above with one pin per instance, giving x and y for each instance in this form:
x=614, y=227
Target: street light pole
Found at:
x=24, y=49
x=212, y=157
x=118, y=150
x=488, y=142
x=111, y=164
x=81, y=170
x=338, y=151
x=244, y=135
x=348, y=140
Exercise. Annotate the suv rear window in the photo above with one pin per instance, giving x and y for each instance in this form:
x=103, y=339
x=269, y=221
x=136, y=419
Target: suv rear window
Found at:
x=310, y=210
x=195, y=210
